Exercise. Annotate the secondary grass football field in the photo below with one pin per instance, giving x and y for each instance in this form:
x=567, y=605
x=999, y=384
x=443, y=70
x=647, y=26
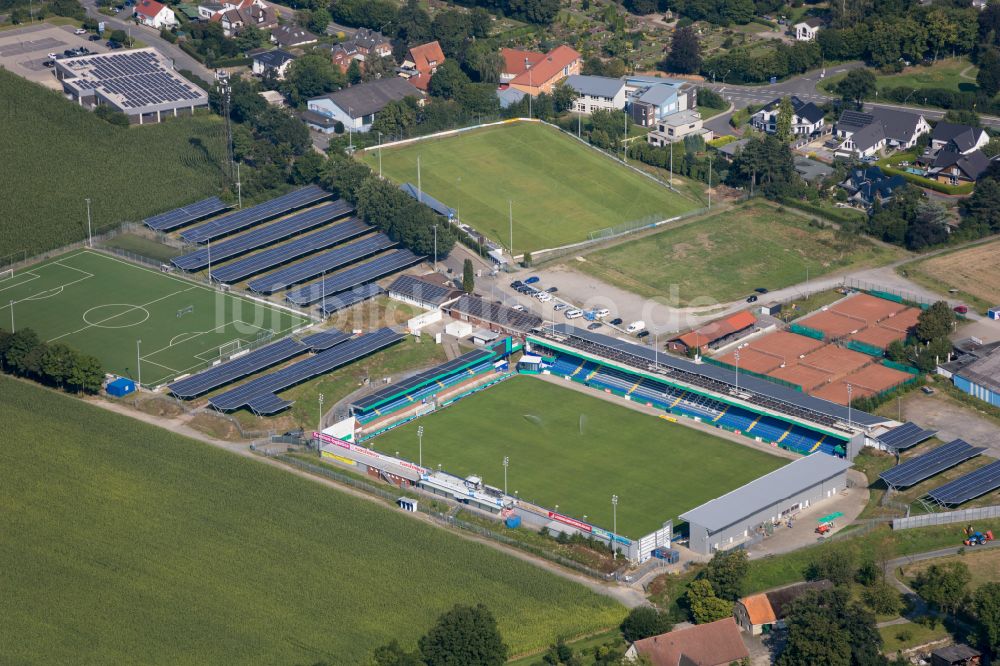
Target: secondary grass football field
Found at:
x=726, y=256
x=561, y=190
x=126, y=543
x=103, y=305
x=576, y=450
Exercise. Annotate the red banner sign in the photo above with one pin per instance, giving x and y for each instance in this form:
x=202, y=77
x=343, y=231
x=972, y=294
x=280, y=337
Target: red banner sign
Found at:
x=573, y=522
x=335, y=441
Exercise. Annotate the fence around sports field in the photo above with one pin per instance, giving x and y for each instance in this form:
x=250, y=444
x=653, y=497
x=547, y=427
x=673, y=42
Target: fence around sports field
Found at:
x=946, y=517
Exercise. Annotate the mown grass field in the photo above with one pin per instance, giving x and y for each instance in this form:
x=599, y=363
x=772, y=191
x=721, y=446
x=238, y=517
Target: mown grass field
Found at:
x=725, y=257
x=561, y=190
x=103, y=305
x=945, y=73
x=55, y=154
x=125, y=543
x=575, y=450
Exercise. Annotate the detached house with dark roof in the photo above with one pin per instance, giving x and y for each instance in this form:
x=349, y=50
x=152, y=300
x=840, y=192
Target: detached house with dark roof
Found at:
x=356, y=106
x=954, y=154
x=288, y=36
x=865, y=134
x=806, y=121
x=866, y=186
x=272, y=63
x=806, y=31
x=959, y=138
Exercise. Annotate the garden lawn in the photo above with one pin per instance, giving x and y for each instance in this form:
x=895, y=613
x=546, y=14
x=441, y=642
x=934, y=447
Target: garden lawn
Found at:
x=574, y=451
x=560, y=189
x=726, y=256
x=125, y=543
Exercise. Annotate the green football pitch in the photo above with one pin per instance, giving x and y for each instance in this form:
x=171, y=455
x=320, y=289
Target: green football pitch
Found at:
x=574, y=450
x=136, y=320
x=560, y=189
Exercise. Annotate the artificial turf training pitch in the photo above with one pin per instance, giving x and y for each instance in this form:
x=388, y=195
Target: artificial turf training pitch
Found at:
x=560, y=189
x=121, y=312
x=575, y=450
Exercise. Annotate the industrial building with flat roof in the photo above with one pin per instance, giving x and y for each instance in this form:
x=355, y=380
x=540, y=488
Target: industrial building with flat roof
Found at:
x=141, y=83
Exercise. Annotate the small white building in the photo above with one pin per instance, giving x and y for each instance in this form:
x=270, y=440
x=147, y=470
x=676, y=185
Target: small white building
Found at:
x=597, y=92
x=807, y=118
x=154, y=14
x=272, y=63
x=806, y=31
x=676, y=126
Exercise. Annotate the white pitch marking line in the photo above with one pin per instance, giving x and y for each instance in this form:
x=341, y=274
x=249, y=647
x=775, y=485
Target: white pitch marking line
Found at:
x=107, y=319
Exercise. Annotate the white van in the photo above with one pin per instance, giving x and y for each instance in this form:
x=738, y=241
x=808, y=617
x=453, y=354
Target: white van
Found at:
x=543, y=297
x=574, y=314
x=635, y=326
x=602, y=313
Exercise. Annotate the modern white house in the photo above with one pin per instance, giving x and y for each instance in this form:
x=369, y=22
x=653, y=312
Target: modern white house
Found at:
x=355, y=107
x=806, y=31
x=154, y=14
x=676, y=127
x=807, y=118
x=651, y=98
x=272, y=63
x=865, y=134
x=597, y=92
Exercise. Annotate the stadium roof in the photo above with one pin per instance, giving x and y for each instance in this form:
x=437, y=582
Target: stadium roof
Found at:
x=769, y=489
x=428, y=200
x=762, y=387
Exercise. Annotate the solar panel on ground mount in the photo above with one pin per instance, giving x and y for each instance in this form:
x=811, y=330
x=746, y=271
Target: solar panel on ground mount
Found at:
x=342, y=354
x=325, y=339
x=904, y=436
x=972, y=485
x=348, y=298
x=224, y=373
x=297, y=247
x=353, y=277
x=178, y=217
x=246, y=217
x=422, y=378
x=323, y=263
x=927, y=465
x=268, y=404
x=262, y=236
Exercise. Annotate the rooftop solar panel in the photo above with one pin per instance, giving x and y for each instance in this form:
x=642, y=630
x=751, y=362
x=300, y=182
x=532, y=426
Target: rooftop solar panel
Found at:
x=349, y=298
x=983, y=480
x=422, y=378
x=263, y=236
x=905, y=436
x=178, y=217
x=224, y=373
x=246, y=217
x=927, y=465
x=325, y=339
x=353, y=277
x=255, y=392
x=322, y=263
x=297, y=247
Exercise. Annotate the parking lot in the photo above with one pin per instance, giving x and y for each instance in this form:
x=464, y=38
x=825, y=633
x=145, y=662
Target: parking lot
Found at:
x=24, y=51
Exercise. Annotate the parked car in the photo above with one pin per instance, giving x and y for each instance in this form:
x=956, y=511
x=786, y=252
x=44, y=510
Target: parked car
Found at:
x=961, y=309
x=49, y=63
x=95, y=38
x=552, y=290
x=515, y=284
x=602, y=313
x=635, y=326
x=927, y=390
x=532, y=280
x=112, y=44
x=593, y=327
x=617, y=321
x=80, y=31
x=543, y=296
x=518, y=307
x=761, y=290
x=642, y=334
x=559, y=306
x=574, y=314
x=752, y=299
x=53, y=56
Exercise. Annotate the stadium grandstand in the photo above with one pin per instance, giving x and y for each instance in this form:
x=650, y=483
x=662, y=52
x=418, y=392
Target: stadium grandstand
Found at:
x=745, y=404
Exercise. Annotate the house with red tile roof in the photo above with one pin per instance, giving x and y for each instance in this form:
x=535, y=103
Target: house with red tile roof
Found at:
x=716, y=643
x=421, y=63
x=154, y=14
x=542, y=76
x=517, y=62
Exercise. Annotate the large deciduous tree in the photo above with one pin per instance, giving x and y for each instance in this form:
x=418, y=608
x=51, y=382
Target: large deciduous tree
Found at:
x=685, y=51
x=464, y=635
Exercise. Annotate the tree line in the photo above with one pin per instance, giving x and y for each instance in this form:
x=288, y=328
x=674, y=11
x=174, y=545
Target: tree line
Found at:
x=24, y=354
x=461, y=635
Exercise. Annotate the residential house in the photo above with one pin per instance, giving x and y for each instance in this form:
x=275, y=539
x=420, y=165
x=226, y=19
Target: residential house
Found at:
x=272, y=63
x=960, y=138
x=866, y=186
x=807, y=118
x=812, y=170
x=866, y=133
x=154, y=14
x=363, y=44
x=517, y=62
x=676, y=127
x=711, y=644
x=597, y=92
x=542, y=76
x=290, y=36
x=651, y=98
x=806, y=31
x=761, y=613
x=421, y=63
x=357, y=105
x=234, y=16
x=953, y=168
x=342, y=55
x=207, y=10
x=956, y=655
x=715, y=334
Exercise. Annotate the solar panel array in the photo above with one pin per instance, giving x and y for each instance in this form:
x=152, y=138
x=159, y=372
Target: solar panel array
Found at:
x=294, y=249
x=243, y=366
x=353, y=277
x=262, y=236
x=927, y=465
x=316, y=266
x=325, y=339
x=904, y=436
x=258, y=394
x=246, y=217
x=178, y=217
x=970, y=486
x=349, y=298
x=422, y=378
x=137, y=79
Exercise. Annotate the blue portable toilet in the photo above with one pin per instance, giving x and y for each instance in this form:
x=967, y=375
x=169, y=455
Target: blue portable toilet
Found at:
x=994, y=312
x=121, y=387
